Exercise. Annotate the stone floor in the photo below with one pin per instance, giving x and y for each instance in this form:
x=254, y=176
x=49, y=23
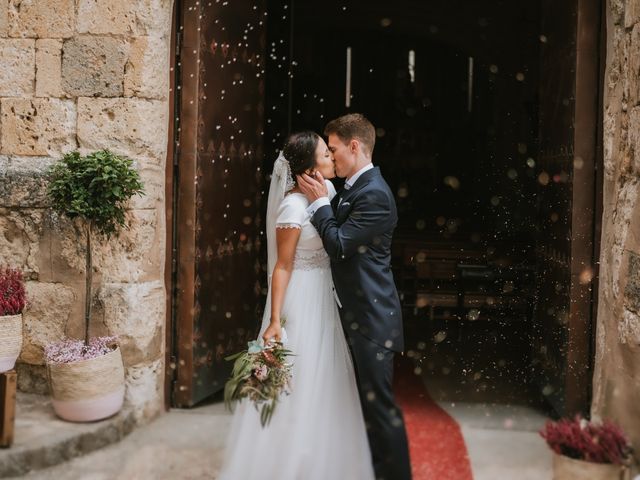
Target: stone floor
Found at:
x=180, y=445
x=503, y=440
x=187, y=445
x=42, y=440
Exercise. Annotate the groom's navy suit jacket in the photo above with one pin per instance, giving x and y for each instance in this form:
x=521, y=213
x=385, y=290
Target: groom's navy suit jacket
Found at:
x=356, y=231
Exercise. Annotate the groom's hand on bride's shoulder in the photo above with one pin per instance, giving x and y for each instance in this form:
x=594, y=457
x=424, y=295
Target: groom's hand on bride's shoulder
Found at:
x=313, y=187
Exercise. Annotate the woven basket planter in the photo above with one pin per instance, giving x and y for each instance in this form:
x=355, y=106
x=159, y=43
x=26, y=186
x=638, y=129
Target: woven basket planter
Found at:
x=10, y=341
x=87, y=390
x=565, y=468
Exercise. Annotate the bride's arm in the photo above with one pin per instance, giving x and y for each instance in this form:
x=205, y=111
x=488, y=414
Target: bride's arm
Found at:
x=287, y=240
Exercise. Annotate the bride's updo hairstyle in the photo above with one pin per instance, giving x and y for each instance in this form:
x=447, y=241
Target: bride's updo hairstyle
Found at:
x=300, y=151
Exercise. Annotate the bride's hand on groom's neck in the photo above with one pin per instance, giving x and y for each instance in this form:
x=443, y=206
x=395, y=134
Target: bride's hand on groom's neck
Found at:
x=313, y=187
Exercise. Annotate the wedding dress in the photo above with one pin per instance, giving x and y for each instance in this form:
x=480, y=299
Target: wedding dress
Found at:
x=317, y=432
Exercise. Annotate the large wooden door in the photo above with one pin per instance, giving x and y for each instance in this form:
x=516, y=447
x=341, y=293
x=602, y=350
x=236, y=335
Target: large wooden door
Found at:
x=567, y=135
x=217, y=226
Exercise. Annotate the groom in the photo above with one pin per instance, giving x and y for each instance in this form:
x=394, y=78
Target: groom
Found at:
x=356, y=228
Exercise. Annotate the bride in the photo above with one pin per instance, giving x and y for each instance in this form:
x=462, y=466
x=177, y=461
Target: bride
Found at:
x=318, y=431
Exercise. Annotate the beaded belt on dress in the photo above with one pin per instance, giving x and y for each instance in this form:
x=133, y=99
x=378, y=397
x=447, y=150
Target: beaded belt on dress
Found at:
x=318, y=259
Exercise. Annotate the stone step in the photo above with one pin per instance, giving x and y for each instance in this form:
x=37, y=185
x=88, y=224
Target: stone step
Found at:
x=42, y=440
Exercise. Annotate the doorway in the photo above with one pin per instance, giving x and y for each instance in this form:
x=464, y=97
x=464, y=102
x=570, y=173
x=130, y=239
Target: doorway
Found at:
x=486, y=115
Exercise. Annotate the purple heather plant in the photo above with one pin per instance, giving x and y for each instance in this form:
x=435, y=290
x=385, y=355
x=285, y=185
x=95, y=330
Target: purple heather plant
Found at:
x=72, y=350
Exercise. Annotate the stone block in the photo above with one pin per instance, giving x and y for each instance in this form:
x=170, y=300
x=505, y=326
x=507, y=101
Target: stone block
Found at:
x=634, y=141
x=125, y=17
x=32, y=378
x=17, y=67
x=37, y=126
x=631, y=13
x=45, y=318
x=4, y=18
x=94, y=66
x=48, y=68
x=132, y=257
x=66, y=243
x=42, y=18
x=633, y=65
x=128, y=126
x=135, y=256
x=147, y=69
x=145, y=389
x=632, y=289
x=23, y=181
x=135, y=313
x=608, y=146
x=153, y=179
x=20, y=233
x=616, y=10
x=629, y=329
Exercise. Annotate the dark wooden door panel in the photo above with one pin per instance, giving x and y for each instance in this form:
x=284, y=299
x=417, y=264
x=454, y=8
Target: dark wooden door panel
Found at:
x=220, y=161
x=567, y=134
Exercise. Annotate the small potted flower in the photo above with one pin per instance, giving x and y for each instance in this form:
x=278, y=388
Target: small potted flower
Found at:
x=586, y=450
x=12, y=302
x=86, y=376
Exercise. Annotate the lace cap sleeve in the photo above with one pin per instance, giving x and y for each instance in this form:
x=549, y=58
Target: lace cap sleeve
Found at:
x=332, y=189
x=291, y=214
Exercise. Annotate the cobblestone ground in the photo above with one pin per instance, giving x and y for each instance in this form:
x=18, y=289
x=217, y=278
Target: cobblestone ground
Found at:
x=188, y=445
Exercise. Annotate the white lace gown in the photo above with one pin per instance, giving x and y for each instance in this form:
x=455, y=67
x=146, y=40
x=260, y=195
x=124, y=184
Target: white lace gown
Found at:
x=317, y=432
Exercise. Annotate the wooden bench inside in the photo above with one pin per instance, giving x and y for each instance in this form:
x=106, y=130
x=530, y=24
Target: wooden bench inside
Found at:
x=462, y=280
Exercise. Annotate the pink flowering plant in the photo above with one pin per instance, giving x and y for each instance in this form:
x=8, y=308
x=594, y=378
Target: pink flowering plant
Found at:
x=72, y=350
x=261, y=374
x=589, y=441
x=12, y=291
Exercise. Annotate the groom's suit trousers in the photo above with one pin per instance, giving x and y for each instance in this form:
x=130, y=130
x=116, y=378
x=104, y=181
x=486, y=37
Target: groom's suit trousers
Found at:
x=357, y=232
x=385, y=424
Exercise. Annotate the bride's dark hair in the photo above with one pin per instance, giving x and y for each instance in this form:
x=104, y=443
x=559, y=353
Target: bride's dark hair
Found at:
x=300, y=151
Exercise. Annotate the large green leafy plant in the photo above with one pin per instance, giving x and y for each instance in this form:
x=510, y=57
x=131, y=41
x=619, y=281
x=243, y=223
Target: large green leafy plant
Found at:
x=94, y=190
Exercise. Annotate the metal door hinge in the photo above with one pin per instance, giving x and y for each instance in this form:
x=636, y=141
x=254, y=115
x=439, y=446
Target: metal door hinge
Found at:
x=176, y=155
x=179, y=38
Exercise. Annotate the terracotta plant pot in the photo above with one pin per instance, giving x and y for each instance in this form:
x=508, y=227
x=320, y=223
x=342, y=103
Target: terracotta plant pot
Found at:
x=565, y=468
x=10, y=341
x=88, y=390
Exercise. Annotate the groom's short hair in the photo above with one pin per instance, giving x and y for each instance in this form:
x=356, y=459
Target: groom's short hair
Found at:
x=353, y=125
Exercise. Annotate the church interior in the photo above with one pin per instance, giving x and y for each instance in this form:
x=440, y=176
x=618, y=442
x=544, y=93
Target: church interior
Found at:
x=452, y=89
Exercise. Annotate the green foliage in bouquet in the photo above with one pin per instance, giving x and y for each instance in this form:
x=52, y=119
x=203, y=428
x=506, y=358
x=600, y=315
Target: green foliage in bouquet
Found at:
x=260, y=374
x=94, y=189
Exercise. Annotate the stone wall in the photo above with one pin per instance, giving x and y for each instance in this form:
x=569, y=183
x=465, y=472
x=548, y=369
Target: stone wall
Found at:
x=87, y=75
x=617, y=372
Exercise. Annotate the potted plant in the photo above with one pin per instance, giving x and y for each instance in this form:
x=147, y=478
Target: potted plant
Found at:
x=12, y=302
x=87, y=376
x=586, y=450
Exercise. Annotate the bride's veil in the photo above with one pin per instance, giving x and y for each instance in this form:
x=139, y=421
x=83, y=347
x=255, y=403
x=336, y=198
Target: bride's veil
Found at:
x=281, y=183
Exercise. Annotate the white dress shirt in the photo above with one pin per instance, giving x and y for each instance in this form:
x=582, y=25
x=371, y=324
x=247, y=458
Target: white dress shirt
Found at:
x=350, y=182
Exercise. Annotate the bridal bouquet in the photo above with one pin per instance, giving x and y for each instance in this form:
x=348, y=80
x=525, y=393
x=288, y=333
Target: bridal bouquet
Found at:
x=261, y=374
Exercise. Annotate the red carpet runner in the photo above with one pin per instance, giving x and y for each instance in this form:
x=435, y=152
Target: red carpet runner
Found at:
x=436, y=445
